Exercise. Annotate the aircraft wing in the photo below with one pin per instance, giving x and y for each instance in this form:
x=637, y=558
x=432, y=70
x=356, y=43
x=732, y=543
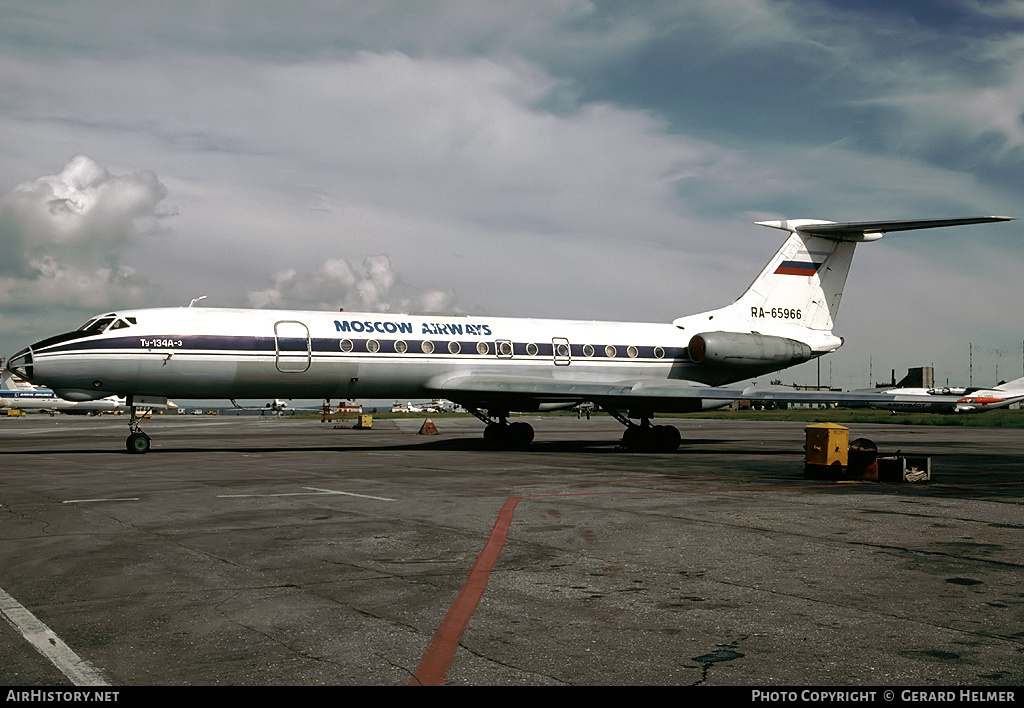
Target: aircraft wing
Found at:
x=625, y=393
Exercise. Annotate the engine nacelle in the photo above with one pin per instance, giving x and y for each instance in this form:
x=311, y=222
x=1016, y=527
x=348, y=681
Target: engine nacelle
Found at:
x=746, y=349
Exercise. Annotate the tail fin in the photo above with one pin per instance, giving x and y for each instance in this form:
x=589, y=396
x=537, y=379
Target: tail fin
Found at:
x=1017, y=385
x=803, y=282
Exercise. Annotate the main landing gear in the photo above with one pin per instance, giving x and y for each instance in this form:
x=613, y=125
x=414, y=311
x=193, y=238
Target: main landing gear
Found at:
x=501, y=434
x=646, y=437
x=138, y=443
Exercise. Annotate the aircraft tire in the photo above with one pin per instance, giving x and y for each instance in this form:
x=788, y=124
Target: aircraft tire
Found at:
x=504, y=436
x=495, y=434
x=660, y=438
x=520, y=435
x=666, y=438
x=138, y=443
x=633, y=438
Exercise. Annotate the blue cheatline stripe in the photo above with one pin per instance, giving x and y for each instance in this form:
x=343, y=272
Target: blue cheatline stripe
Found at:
x=224, y=344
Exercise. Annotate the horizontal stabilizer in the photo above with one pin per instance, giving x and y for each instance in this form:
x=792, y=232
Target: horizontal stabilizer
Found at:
x=870, y=230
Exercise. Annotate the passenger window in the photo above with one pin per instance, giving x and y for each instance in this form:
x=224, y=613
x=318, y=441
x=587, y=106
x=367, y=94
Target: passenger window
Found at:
x=427, y=346
x=401, y=347
x=482, y=348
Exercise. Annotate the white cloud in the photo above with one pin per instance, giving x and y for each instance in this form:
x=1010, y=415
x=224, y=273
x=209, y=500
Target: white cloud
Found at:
x=336, y=285
x=83, y=207
x=63, y=237
x=975, y=102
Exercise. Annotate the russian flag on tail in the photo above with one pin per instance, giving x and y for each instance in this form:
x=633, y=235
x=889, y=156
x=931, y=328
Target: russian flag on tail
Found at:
x=797, y=268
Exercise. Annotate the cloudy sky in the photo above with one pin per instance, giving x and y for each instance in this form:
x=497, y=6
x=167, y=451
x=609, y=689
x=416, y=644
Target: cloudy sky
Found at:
x=555, y=158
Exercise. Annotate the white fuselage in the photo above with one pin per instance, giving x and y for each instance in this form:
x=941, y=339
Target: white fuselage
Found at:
x=225, y=353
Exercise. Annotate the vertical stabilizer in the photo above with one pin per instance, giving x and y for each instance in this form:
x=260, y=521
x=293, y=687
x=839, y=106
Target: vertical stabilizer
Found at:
x=802, y=283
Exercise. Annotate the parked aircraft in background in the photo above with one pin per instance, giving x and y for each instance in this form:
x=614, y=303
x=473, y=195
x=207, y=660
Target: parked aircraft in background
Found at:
x=276, y=407
x=491, y=366
x=18, y=394
x=954, y=400
x=435, y=406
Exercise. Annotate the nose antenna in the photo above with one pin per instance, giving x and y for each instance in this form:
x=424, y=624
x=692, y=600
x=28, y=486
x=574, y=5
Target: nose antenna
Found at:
x=196, y=299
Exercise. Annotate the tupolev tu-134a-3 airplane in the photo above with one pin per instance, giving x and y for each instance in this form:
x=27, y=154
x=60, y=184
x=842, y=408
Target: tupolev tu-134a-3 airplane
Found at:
x=491, y=366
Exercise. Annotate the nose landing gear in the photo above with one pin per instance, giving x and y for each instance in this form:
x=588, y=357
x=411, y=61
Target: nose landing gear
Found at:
x=138, y=443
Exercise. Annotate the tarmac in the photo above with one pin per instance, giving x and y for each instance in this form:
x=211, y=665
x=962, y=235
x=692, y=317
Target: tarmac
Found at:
x=250, y=551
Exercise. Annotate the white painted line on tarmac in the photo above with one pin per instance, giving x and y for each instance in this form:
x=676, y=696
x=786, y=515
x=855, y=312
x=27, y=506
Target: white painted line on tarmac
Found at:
x=90, y=501
x=350, y=494
x=314, y=492
x=77, y=669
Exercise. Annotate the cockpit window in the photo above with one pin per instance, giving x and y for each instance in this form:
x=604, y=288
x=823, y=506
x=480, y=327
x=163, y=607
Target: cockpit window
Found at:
x=119, y=324
x=100, y=324
x=95, y=326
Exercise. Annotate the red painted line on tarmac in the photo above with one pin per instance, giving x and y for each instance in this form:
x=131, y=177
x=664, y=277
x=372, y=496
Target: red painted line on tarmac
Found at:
x=436, y=661
x=439, y=655
x=438, y=658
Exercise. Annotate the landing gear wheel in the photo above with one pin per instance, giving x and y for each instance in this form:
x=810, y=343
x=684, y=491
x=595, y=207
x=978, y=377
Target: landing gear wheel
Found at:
x=505, y=436
x=643, y=438
x=520, y=435
x=138, y=443
x=665, y=438
x=633, y=438
x=494, y=434
x=500, y=434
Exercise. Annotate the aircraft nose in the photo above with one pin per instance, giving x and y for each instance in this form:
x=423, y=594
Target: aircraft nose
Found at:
x=21, y=364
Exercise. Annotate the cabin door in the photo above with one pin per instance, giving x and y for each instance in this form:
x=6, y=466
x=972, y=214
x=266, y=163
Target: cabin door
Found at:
x=293, y=349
